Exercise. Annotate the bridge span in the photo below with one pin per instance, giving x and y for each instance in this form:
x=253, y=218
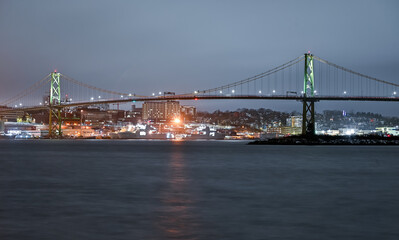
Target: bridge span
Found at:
x=289, y=81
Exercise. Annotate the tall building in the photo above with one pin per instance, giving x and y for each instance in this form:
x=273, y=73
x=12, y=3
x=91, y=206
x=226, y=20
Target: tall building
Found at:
x=188, y=110
x=294, y=121
x=161, y=111
x=135, y=115
x=293, y=126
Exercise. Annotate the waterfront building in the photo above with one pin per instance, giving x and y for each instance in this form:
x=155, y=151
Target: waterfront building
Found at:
x=294, y=121
x=24, y=128
x=392, y=131
x=134, y=116
x=161, y=111
x=291, y=130
x=273, y=130
x=10, y=116
x=188, y=110
x=188, y=113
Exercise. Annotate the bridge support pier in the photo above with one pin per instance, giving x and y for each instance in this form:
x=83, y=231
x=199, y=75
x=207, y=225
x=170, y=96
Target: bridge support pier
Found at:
x=308, y=119
x=55, y=123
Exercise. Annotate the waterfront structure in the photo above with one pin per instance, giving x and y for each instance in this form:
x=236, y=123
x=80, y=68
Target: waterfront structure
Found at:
x=294, y=121
x=291, y=130
x=188, y=110
x=161, y=111
x=134, y=116
x=273, y=130
x=392, y=131
x=284, y=130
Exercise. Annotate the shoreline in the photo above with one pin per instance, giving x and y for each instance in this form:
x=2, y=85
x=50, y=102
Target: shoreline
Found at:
x=329, y=140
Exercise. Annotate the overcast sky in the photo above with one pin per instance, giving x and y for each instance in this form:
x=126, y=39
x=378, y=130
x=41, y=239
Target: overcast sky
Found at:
x=181, y=46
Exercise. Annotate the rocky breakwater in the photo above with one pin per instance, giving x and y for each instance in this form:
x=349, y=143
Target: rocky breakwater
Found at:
x=330, y=140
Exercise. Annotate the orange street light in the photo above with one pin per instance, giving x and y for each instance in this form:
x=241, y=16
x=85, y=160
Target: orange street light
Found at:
x=177, y=120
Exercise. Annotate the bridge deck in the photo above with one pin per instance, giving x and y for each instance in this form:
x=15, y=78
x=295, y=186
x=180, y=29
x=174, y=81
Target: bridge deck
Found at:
x=209, y=97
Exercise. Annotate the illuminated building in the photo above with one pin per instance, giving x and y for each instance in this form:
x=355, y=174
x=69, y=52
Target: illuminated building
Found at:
x=161, y=111
x=291, y=130
x=393, y=131
x=273, y=130
x=294, y=121
x=188, y=110
x=133, y=116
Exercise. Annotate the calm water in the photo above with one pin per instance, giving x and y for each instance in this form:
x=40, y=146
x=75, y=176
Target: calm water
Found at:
x=196, y=190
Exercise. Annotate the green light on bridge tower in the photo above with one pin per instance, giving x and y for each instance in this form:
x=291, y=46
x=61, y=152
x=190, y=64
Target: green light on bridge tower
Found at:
x=308, y=85
x=54, y=130
x=308, y=119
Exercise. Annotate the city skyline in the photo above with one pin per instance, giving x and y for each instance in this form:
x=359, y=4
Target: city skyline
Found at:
x=184, y=46
x=189, y=119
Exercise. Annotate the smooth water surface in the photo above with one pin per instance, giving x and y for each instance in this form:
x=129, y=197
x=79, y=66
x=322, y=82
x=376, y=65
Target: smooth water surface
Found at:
x=111, y=189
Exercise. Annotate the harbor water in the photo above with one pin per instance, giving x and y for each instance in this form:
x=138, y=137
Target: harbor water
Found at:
x=151, y=189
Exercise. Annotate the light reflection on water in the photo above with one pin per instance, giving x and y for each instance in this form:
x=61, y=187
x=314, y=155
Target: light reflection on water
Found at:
x=103, y=190
x=176, y=219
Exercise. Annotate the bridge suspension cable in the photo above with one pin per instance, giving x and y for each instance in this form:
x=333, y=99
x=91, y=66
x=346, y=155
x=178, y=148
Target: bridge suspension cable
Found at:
x=27, y=91
x=97, y=88
x=353, y=72
x=253, y=78
x=92, y=87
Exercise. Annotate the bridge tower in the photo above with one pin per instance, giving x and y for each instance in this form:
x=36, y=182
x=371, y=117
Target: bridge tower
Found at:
x=55, y=121
x=308, y=119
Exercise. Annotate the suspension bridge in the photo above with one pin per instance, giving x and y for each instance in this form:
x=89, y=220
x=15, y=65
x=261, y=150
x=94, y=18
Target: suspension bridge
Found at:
x=307, y=79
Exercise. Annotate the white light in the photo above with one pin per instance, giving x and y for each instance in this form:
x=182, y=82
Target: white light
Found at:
x=40, y=103
x=301, y=92
x=121, y=96
x=220, y=92
x=274, y=91
x=99, y=96
x=260, y=91
x=233, y=91
x=344, y=92
x=16, y=105
x=130, y=94
x=315, y=91
x=20, y=104
x=350, y=131
x=70, y=99
x=92, y=98
x=177, y=120
x=195, y=92
x=153, y=94
x=159, y=93
x=394, y=93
